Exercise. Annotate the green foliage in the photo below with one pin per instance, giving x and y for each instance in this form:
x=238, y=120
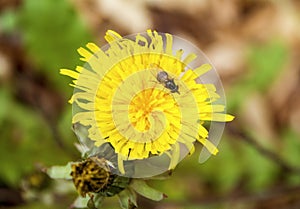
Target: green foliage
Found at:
x=52, y=32
x=40, y=205
x=8, y=21
x=291, y=148
x=265, y=63
x=237, y=162
x=81, y=202
x=64, y=124
x=222, y=172
x=143, y=189
x=260, y=172
x=24, y=133
x=226, y=164
x=291, y=153
x=127, y=199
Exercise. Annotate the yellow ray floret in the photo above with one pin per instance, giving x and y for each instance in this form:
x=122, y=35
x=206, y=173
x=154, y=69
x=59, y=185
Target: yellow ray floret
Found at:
x=120, y=100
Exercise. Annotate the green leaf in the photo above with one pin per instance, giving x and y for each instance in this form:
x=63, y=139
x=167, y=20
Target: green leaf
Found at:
x=143, y=189
x=80, y=202
x=60, y=172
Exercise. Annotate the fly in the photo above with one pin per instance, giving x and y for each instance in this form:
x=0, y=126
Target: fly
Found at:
x=163, y=78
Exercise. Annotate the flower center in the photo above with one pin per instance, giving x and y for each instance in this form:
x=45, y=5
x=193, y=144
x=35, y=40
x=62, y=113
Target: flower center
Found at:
x=143, y=105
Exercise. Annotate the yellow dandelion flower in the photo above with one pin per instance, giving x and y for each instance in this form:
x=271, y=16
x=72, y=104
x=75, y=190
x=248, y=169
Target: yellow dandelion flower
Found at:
x=142, y=96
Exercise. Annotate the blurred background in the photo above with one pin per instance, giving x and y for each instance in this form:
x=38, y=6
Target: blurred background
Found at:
x=255, y=47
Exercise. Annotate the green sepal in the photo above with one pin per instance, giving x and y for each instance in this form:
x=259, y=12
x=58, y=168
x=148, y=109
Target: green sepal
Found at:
x=92, y=202
x=127, y=199
x=95, y=201
x=80, y=202
x=60, y=172
x=143, y=189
